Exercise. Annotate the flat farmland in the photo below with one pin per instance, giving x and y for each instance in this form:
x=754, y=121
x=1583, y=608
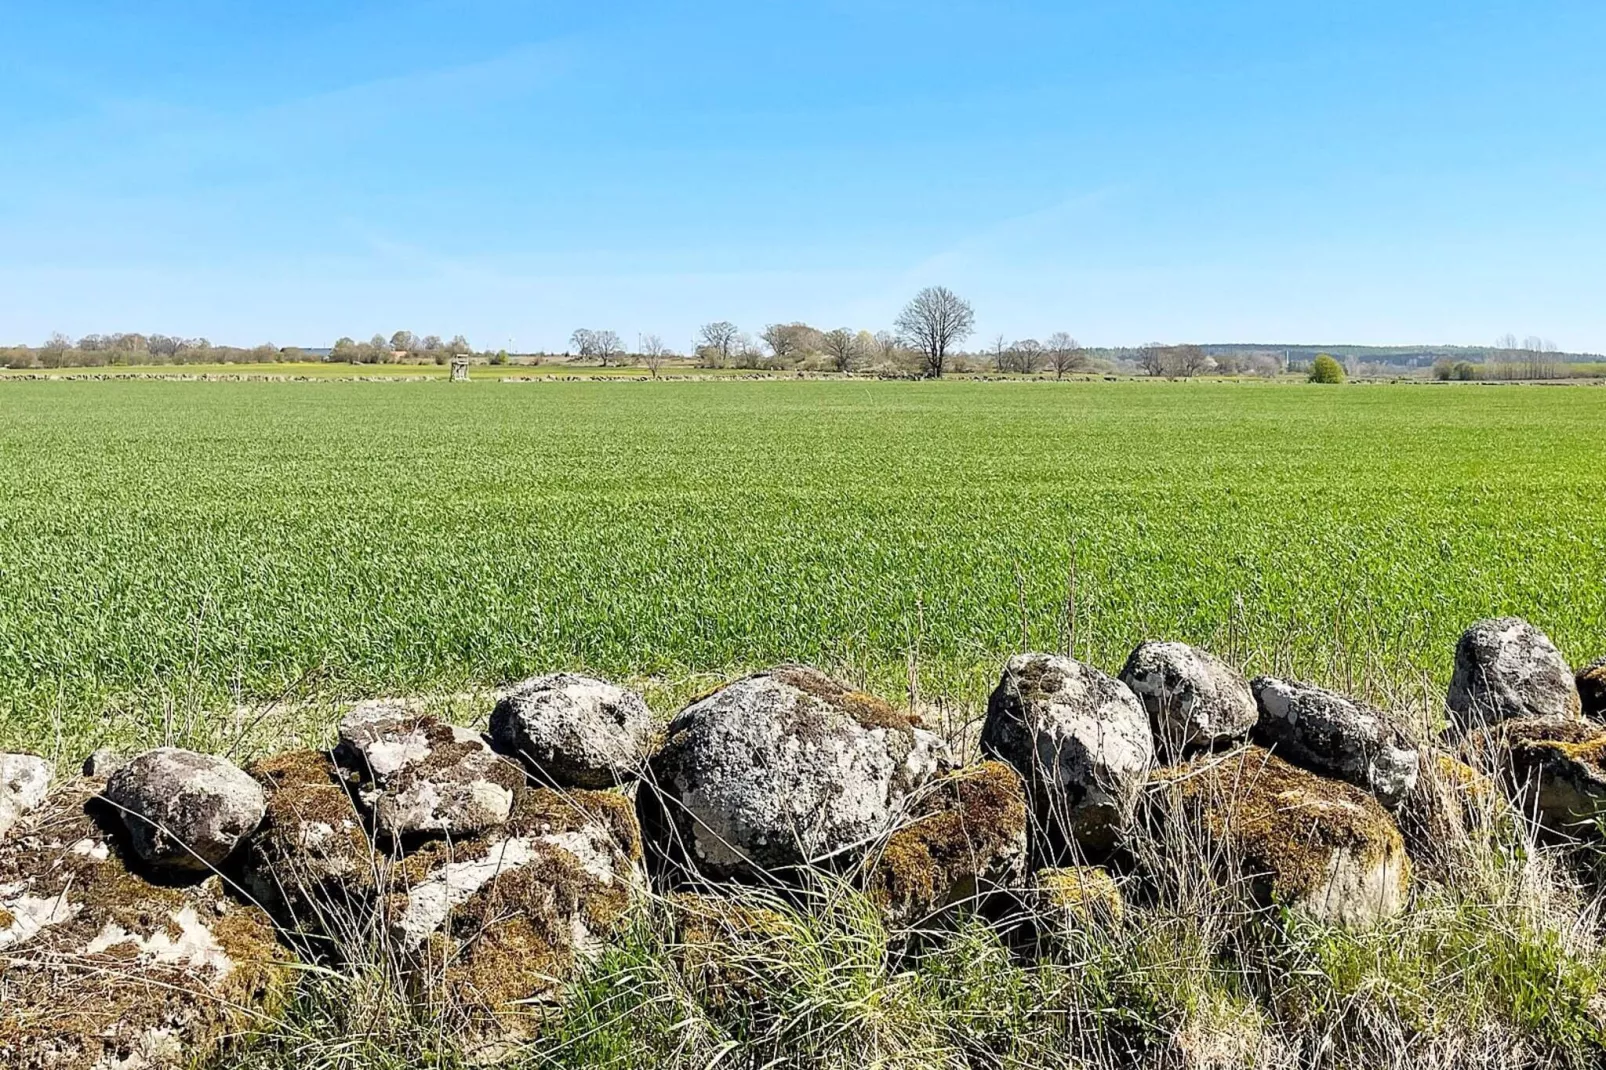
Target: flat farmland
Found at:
x=198, y=546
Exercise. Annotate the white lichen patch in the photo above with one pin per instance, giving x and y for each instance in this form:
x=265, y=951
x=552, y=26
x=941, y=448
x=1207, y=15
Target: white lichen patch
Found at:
x=195, y=947
x=92, y=849
x=432, y=900
x=30, y=914
x=592, y=854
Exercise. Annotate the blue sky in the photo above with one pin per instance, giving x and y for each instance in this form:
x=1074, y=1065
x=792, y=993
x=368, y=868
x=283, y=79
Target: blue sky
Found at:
x=1129, y=171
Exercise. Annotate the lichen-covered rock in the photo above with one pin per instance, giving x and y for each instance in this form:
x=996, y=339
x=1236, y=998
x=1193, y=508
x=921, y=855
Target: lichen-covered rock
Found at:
x=24, y=780
x=420, y=776
x=967, y=843
x=785, y=768
x=1554, y=769
x=574, y=731
x=1080, y=740
x=1506, y=668
x=1319, y=846
x=100, y=969
x=1591, y=684
x=1194, y=699
x=1334, y=735
x=494, y=927
x=185, y=811
x=312, y=850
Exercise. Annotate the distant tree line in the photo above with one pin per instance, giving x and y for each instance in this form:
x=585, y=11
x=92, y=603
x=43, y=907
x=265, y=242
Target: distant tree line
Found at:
x=924, y=341
x=132, y=348
x=403, y=346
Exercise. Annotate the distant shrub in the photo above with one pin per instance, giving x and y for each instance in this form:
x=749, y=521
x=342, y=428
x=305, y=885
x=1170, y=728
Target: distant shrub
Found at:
x=1324, y=369
x=1443, y=369
x=1465, y=371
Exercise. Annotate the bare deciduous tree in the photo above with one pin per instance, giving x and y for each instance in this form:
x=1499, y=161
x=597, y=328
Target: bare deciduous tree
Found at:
x=933, y=323
x=583, y=341
x=1002, y=357
x=1065, y=354
x=842, y=346
x=653, y=353
x=1025, y=355
x=607, y=346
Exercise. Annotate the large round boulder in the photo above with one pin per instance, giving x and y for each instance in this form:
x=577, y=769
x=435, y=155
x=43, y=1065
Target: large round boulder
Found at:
x=418, y=775
x=1080, y=740
x=24, y=780
x=1337, y=736
x=783, y=769
x=574, y=731
x=1194, y=699
x=1506, y=668
x=185, y=811
x=100, y=968
x=964, y=843
x=1290, y=837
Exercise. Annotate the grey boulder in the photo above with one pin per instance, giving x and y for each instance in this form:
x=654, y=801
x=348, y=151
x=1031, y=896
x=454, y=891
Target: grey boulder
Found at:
x=1081, y=741
x=418, y=775
x=185, y=811
x=785, y=768
x=1331, y=734
x=1506, y=668
x=1194, y=699
x=574, y=731
x=24, y=781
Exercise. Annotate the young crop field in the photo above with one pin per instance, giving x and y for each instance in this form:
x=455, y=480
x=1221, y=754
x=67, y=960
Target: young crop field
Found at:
x=196, y=547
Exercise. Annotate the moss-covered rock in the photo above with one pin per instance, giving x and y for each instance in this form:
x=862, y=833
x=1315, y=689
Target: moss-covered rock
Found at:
x=967, y=842
x=784, y=769
x=496, y=926
x=1077, y=896
x=101, y=968
x=1319, y=846
x=486, y=929
x=312, y=852
x=1553, y=768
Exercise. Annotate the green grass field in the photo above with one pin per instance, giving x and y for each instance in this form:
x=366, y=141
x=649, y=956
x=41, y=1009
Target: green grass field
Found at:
x=200, y=545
